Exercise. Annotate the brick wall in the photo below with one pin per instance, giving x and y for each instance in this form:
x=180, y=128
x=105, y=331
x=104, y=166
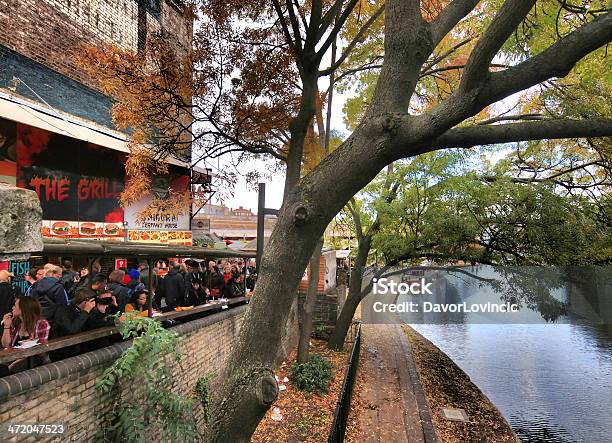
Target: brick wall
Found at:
x=326, y=310
x=321, y=283
x=50, y=31
x=64, y=392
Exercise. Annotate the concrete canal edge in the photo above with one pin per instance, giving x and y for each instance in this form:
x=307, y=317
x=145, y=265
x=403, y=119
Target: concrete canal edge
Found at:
x=429, y=429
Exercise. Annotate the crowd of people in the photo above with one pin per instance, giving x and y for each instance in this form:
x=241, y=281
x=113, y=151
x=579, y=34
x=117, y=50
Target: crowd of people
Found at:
x=61, y=301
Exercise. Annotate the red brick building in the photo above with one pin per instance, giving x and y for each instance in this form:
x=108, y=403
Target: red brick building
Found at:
x=56, y=132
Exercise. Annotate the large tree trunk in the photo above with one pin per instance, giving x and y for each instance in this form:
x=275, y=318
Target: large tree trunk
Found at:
x=336, y=340
x=309, y=304
x=249, y=385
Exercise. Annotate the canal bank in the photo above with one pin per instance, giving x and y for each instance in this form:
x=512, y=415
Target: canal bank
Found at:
x=446, y=385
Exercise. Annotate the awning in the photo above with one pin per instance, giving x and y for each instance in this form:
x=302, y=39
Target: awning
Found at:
x=126, y=249
x=31, y=113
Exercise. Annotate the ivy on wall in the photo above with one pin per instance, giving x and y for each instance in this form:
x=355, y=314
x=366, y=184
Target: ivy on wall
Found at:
x=140, y=384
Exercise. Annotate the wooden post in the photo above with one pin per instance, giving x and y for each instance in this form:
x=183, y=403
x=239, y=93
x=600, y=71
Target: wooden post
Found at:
x=150, y=286
x=90, y=271
x=261, y=212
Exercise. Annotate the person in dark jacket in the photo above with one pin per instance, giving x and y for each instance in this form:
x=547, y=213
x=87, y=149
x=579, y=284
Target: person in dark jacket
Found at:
x=195, y=293
x=72, y=318
x=193, y=272
x=7, y=293
x=172, y=288
x=85, y=313
x=70, y=278
x=116, y=288
x=143, y=268
x=98, y=283
x=213, y=281
x=101, y=315
x=33, y=276
x=50, y=293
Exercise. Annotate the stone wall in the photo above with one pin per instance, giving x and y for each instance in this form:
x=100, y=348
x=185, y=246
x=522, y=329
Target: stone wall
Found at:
x=51, y=31
x=64, y=391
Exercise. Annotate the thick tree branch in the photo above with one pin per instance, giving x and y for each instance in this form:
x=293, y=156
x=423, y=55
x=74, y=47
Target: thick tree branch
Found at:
x=339, y=23
x=407, y=46
x=502, y=118
x=295, y=44
x=449, y=17
x=510, y=15
x=555, y=61
x=312, y=37
x=329, y=17
x=516, y=132
x=295, y=26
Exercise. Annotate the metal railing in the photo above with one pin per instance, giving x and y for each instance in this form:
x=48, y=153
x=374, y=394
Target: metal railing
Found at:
x=343, y=405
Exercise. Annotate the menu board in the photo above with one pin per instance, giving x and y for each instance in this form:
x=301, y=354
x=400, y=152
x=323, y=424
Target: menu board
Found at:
x=178, y=238
x=84, y=230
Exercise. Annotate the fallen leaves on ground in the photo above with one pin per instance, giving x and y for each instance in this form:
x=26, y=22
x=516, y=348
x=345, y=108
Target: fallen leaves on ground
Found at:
x=305, y=417
x=446, y=385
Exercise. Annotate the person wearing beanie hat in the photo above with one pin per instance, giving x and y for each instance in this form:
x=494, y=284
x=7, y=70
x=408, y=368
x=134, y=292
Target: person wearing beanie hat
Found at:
x=134, y=284
x=134, y=274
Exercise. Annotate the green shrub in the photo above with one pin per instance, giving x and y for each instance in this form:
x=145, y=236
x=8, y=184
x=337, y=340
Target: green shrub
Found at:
x=321, y=332
x=312, y=376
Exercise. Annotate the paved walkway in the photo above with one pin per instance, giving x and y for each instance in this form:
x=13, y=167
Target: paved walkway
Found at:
x=390, y=397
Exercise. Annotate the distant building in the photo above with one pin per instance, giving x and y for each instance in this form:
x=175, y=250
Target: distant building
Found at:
x=210, y=209
x=230, y=224
x=242, y=212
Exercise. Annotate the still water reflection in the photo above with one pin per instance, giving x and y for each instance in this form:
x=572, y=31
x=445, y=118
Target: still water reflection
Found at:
x=553, y=383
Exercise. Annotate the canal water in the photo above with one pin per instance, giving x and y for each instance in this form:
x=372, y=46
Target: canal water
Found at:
x=552, y=381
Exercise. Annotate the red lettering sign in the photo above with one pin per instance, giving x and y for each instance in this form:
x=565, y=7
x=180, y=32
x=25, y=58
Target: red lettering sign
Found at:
x=49, y=188
x=63, y=187
x=83, y=189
